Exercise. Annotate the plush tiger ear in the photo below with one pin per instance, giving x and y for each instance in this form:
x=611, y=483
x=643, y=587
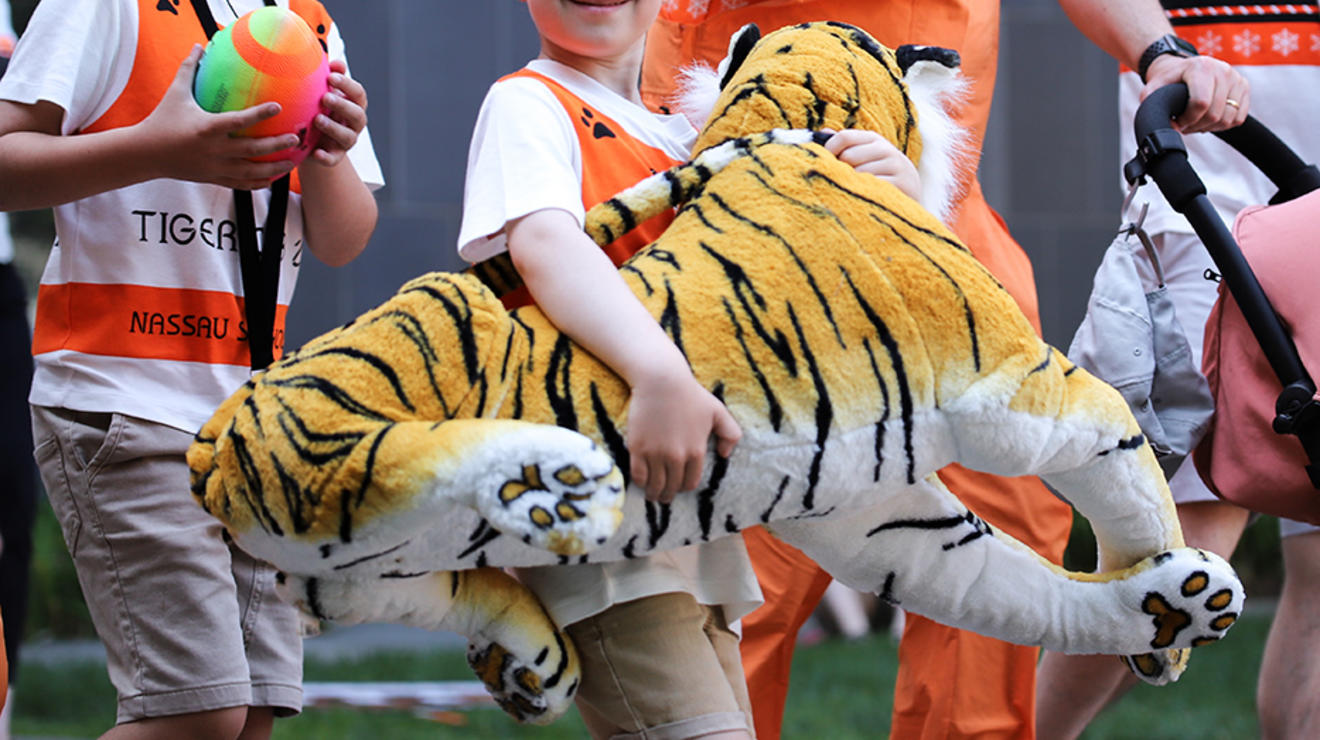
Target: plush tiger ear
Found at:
x=936, y=86
x=740, y=45
x=699, y=86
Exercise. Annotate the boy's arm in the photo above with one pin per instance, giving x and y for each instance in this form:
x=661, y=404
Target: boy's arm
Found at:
x=339, y=211
x=671, y=416
x=177, y=140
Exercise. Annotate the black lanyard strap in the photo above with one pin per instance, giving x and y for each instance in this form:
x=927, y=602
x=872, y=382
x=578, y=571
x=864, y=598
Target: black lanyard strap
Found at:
x=259, y=266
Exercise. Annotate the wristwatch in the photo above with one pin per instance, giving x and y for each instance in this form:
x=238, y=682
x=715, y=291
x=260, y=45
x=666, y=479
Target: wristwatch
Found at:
x=1166, y=44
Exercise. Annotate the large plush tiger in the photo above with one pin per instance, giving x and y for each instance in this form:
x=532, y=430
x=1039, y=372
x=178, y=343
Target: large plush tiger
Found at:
x=860, y=347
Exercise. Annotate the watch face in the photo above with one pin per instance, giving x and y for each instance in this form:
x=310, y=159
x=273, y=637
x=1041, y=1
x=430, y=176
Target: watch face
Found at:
x=1182, y=45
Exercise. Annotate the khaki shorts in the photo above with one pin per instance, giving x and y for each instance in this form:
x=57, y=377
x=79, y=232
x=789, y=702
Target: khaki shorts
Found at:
x=658, y=668
x=189, y=623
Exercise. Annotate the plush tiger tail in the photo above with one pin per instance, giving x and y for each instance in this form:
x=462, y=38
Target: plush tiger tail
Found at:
x=677, y=185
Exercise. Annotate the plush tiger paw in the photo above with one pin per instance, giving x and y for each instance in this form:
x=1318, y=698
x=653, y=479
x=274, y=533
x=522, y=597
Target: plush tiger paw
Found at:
x=536, y=693
x=553, y=488
x=1188, y=598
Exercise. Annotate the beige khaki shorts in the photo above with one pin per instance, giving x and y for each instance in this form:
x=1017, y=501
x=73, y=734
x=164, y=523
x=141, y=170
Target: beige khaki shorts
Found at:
x=189, y=623
x=660, y=668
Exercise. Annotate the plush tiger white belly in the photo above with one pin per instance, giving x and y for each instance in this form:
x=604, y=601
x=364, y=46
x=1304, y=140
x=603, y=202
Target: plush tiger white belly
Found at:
x=859, y=346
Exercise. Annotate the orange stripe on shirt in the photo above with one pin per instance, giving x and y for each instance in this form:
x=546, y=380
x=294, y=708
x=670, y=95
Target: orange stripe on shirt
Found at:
x=147, y=323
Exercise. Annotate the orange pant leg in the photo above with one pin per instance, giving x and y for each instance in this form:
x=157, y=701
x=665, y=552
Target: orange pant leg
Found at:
x=792, y=584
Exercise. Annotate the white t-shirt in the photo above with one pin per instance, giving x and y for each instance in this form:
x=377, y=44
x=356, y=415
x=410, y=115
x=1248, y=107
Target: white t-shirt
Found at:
x=155, y=237
x=525, y=157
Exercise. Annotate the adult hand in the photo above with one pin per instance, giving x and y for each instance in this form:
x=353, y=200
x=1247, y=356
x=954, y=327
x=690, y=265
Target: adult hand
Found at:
x=198, y=146
x=343, y=116
x=1217, y=95
x=670, y=420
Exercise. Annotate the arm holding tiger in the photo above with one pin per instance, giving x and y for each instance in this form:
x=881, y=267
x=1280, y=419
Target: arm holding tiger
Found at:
x=671, y=416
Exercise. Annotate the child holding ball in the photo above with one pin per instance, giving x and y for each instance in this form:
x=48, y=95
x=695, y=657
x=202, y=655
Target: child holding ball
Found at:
x=141, y=332
x=659, y=659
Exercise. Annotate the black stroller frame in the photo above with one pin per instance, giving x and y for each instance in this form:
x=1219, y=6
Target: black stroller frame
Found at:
x=1162, y=155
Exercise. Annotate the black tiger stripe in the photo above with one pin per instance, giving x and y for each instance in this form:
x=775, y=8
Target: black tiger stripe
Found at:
x=969, y=316
x=253, y=489
x=296, y=499
x=411, y=327
x=331, y=391
x=313, y=593
x=609, y=434
x=376, y=363
x=372, y=556
x=562, y=666
x=706, y=497
x=485, y=539
x=669, y=319
x=467, y=340
x=700, y=213
x=676, y=194
x=783, y=485
x=884, y=416
x=632, y=269
x=300, y=440
x=629, y=550
x=887, y=590
x=1049, y=355
x=750, y=299
x=626, y=216
x=824, y=411
x=774, y=410
x=764, y=229
x=504, y=362
x=895, y=354
x=558, y=388
x=657, y=521
x=402, y=575
x=1131, y=443
x=948, y=522
x=813, y=174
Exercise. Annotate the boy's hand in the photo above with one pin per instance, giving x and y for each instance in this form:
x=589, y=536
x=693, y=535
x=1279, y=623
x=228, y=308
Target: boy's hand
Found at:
x=670, y=420
x=343, y=116
x=869, y=152
x=197, y=146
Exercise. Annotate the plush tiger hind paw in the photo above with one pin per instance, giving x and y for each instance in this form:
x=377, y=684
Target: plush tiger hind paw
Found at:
x=550, y=487
x=1188, y=598
x=528, y=665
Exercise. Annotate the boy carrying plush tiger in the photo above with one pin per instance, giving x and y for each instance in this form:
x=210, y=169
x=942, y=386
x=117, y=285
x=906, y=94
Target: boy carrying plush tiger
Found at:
x=856, y=343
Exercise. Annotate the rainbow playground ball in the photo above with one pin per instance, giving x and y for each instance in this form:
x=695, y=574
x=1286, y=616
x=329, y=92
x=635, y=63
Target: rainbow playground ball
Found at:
x=269, y=54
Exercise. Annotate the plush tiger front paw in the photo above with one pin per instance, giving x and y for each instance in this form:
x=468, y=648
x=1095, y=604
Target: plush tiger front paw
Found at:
x=533, y=693
x=1190, y=598
x=553, y=488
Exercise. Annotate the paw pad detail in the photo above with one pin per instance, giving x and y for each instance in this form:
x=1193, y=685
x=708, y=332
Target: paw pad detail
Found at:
x=1195, y=583
x=1169, y=620
x=1219, y=600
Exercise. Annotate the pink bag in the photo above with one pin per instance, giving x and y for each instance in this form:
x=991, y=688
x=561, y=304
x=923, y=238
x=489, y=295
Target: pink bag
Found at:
x=1241, y=458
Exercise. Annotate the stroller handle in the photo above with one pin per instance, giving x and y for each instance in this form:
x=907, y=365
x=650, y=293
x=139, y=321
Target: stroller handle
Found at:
x=1252, y=140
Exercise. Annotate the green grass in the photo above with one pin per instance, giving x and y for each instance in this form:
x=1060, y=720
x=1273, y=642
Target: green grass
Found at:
x=841, y=690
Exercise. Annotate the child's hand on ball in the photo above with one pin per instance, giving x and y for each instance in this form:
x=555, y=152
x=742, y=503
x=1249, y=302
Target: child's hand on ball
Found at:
x=343, y=116
x=192, y=144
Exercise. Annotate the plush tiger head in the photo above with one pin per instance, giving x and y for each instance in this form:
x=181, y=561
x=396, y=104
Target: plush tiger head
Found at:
x=830, y=75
